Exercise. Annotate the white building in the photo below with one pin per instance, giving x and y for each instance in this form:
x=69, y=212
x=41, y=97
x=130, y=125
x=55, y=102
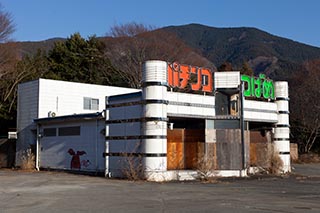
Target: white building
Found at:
x=48, y=100
x=163, y=130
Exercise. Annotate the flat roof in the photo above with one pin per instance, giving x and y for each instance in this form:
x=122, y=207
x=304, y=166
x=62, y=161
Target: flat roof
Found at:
x=125, y=96
x=82, y=116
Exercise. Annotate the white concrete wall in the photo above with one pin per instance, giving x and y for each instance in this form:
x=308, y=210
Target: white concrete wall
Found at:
x=191, y=105
x=260, y=111
x=65, y=98
x=223, y=80
x=122, y=120
x=53, y=151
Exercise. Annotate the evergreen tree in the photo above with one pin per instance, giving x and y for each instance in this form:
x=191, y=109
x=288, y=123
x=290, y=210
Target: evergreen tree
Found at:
x=225, y=66
x=246, y=69
x=80, y=60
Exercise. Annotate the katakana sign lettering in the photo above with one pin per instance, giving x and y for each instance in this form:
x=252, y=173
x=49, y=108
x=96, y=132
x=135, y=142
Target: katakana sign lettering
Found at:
x=180, y=76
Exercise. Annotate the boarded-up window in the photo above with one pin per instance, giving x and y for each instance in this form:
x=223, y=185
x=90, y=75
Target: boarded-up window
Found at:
x=49, y=132
x=69, y=131
x=90, y=103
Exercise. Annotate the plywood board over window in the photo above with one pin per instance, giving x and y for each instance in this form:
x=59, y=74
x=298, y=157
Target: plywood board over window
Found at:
x=184, y=148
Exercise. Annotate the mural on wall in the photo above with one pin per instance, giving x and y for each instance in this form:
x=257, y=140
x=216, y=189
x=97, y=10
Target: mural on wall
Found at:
x=75, y=161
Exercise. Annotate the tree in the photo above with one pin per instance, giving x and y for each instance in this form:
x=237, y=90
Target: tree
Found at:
x=6, y=25
x=7, y=53
x=8, y=59
x=132, y=44
x=226, y=66
x=128, y=30
x=305, y=106
x=246, y=69
x=80, y=60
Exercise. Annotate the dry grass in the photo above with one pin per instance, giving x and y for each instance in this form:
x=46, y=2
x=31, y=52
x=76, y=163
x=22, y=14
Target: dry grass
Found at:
x=133, y=168
x=308, y=158
x=205, y=169
x=267, y=159
x=27, y=160
x=275, y=162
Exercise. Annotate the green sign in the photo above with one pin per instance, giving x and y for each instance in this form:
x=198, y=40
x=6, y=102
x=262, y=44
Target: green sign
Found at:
x=260, y=87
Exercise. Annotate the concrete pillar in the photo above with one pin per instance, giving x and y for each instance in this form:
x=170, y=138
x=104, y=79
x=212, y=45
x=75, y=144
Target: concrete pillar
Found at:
x=154, y=116
x=282, y=127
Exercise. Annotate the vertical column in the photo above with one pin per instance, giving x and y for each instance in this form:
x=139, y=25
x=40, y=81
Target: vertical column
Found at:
x=107, y=115
x=154, y=116
x=282, y=127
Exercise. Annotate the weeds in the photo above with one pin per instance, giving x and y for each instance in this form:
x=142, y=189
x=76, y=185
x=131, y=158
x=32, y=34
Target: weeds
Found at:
x=27, y=158
x=133, y=167
x=308, y=158
x=132, y=163
x=205, y=168
x=275, y=162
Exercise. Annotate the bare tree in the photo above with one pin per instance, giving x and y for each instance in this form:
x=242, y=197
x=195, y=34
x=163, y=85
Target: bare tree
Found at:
x=133, y=44
x=305, y=106
x=128, y=30
x=8, y=59
x=6, y=25
x=6, y=53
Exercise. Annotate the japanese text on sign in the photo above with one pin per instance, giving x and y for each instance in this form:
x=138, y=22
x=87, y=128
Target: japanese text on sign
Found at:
x=258, y=87
x=180, y=76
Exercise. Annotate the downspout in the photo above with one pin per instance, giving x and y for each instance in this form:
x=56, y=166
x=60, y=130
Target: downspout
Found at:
x=242, y=123
x=37, y=147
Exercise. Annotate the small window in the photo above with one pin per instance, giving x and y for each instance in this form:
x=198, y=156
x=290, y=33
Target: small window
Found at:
x=69, y=131
x=95, y=104
x=49, y=132
x=90, y=103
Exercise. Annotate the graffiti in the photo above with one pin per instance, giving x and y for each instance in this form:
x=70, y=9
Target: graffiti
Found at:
x=181, y=76
x=75, y=161
x=85, y=163
x=258, y=87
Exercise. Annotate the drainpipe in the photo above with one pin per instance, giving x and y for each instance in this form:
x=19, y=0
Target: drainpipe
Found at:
x=244, y=163
x=37, y=147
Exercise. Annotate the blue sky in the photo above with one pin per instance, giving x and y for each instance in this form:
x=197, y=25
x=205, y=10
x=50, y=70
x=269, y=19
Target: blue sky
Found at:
x=37, y=20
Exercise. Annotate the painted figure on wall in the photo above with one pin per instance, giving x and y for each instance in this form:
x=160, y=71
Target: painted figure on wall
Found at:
x=75, y=161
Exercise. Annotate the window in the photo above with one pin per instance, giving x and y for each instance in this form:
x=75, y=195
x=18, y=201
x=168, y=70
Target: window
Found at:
x=49, y=132
x=90, y=103
x=69, y=131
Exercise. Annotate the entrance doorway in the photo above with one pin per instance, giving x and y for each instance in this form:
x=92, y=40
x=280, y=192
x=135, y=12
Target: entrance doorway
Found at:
x=260, y=144
x=185, y=145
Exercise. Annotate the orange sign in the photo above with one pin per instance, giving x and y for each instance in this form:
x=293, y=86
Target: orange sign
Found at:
x=200, y=79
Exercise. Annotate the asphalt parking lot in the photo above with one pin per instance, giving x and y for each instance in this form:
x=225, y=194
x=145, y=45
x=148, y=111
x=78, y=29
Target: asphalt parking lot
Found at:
x=62, y=192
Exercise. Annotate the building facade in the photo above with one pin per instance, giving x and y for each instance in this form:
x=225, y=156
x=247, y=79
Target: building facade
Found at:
x=181, y=116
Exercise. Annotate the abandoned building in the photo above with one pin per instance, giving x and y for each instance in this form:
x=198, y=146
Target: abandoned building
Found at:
x=182, y=115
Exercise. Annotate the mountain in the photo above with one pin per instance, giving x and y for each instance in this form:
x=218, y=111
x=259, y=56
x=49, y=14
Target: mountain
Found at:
x=276, y=56
x=31, y=47
x=267, y=53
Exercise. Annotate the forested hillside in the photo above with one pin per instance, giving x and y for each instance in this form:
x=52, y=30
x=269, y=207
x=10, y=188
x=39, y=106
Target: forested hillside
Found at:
x=264, y=52
x=276, y=56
